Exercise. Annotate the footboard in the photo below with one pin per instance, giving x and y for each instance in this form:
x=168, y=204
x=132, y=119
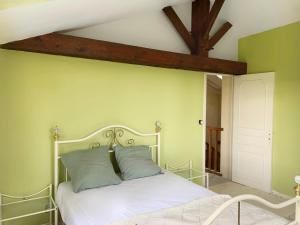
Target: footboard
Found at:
x=238, y=199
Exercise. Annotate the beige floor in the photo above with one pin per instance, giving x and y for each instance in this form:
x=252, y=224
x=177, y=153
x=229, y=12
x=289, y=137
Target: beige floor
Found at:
x=223, y=186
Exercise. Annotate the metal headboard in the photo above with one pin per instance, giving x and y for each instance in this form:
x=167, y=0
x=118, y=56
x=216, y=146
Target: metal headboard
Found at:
x=113, y=134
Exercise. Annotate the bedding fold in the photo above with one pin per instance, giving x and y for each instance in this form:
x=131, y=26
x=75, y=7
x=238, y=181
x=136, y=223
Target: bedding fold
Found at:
x=165, y=199
x=197, y=211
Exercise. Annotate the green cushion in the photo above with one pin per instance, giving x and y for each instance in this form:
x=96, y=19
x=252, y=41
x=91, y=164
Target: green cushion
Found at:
x=135, y=162
x=90, y=169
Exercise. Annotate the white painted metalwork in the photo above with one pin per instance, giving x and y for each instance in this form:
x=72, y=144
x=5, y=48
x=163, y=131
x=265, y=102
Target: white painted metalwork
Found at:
x=175, y=169
x=240, y=198
x=25, y=200
x=28, y=198
x=186, y=170
x=104, y=129
x=50, y=201
x=0, y=209
x=114, y=132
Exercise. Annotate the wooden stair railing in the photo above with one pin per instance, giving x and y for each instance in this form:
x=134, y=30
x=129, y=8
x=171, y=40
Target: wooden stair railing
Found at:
x=213, y=150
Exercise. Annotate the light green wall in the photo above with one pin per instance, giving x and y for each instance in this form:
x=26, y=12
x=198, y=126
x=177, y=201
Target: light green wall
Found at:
x=14, y=3
x=279, y=50
x=39, y=91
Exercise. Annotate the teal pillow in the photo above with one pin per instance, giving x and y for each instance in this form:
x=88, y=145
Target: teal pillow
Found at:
x=90, y=169
x=135, y=162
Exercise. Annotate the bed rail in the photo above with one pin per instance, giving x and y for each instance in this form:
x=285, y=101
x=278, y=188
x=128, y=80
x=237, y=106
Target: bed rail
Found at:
x=241, y=198
x=45, y=193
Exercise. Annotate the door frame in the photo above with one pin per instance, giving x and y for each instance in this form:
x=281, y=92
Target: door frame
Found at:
x=204, y=123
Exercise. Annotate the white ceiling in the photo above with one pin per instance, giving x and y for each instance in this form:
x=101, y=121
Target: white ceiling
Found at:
x=253, y=16
x=31, y=20
x=142, y=23
x=153, y=29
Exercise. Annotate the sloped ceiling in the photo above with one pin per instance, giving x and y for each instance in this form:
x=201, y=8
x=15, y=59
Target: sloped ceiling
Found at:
x=25, y=21
x=253, y=16
x=153, y=30
x=141, y=22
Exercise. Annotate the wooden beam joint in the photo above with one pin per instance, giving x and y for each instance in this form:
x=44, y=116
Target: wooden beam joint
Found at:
x=203, y=20
x=213, y=14
x=219, y=34
x=181, y=29
x=200, y=13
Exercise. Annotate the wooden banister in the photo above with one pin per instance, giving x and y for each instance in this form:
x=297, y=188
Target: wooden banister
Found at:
x=214, y=128
x=213, y=149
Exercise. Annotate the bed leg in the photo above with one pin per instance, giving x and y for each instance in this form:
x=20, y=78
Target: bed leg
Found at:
x=297, y=214
x=50, y=205
x=0, y=208
x=56, y=217
x=207, y=180
x=297, y=188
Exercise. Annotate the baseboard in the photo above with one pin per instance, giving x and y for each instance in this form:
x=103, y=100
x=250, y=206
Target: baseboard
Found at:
x=281, y=195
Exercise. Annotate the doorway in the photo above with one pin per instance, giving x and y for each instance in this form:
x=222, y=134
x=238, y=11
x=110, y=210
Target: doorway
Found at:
x=238, y=125
x=213, y=124
x=218, y=135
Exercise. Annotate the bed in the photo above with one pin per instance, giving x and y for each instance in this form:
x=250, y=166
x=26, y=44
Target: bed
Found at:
x=128, y=199
x=161, y=199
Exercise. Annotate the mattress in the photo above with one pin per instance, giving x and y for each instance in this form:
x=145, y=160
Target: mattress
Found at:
x=102, y=206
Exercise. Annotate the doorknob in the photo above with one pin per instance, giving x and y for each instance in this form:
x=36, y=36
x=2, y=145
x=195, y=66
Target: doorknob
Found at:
x=201, y=122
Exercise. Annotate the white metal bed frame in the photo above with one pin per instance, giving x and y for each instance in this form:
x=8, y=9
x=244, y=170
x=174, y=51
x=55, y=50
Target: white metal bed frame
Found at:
x=116, y=131
x=113, y=133
x=29, y=198
x=238, y=199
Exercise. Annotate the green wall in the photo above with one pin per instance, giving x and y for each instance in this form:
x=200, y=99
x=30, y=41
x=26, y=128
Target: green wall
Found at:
x=14, y=3
x=39, y=91
x=279, y=50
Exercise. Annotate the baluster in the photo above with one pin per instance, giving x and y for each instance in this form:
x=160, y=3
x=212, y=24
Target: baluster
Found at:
x=216, y=152
x=210, y=149
x=239, y=213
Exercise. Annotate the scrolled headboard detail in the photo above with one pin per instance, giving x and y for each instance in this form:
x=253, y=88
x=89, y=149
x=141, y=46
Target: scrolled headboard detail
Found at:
x=113, y=135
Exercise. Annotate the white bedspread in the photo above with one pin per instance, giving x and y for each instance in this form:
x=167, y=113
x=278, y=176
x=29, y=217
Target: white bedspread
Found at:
x=197, y=211
x=103, y=206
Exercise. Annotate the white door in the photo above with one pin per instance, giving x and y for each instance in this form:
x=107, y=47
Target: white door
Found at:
x=252, y=130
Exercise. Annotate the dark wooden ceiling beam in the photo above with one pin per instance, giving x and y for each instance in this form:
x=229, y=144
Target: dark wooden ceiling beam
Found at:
x=65, y=45
x=219, y=34
x=200, y=13
x=203, y=19
x=214, y=12
x=181, y=29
